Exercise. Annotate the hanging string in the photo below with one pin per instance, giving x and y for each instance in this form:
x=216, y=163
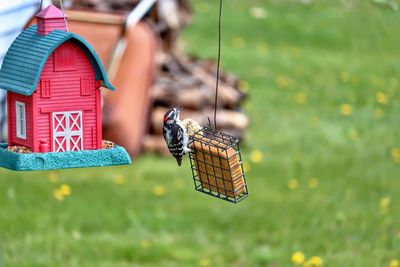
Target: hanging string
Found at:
x=65, y=20
x=218, y=64
x=41, y=4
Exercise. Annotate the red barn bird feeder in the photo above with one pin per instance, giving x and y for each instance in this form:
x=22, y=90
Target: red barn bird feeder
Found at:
x=53, y=78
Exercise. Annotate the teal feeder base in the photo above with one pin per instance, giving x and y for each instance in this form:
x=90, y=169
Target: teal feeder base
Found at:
x=62, y=160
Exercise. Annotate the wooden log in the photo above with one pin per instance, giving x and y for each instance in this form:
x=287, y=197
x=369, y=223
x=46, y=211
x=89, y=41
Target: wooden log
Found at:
x=158, y=115
x=232, y=119
x=187, y=98
x=210, y=66
x=178, y=74
x=226, y=119
x=96, y=17
x=106, y=6
x=193, y=98
x=155, y=144
x=228, y=95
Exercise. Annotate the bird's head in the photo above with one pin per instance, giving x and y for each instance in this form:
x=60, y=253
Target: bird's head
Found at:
x=172, y=115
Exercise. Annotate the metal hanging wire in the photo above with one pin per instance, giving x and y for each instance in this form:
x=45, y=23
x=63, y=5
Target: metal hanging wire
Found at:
x=218, y=63
x=65, y=20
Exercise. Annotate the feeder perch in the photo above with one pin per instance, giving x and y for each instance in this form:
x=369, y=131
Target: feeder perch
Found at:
x=216, y=165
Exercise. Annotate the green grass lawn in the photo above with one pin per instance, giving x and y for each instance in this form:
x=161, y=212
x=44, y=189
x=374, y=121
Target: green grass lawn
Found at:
x=322, y=154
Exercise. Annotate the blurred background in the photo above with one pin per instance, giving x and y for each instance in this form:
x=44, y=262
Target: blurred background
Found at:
x=311, y=88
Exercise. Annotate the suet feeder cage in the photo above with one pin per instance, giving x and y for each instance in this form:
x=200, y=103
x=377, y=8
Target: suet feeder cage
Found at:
x=216, y=165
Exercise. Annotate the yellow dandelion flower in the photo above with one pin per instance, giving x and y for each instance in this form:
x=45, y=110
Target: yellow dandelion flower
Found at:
x=159, y=190
x=119, y=180
x=314, y=261
x=256, y=156
x=262, y=47
x=65, y=189
x=298, y=258
x=384, y=204
x=53, y=177
x=346, y=109
x=58, y=194
x=378, y=113
x=246, y=167
x=145, y=244
x=293, y=184
x=344, y=76
x=396, y=155
x=382, y=98
x=300, y=98
x=394, y=263
x=313, y=183
x=283, y=81
x=238, y=42
x=205, y=262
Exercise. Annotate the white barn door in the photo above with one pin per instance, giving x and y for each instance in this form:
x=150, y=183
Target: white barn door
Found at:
x=67, y=131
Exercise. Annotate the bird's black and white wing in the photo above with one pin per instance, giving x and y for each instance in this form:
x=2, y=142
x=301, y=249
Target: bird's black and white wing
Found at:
x=175, y=141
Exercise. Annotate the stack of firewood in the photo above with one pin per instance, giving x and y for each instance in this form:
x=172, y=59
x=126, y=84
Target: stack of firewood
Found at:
x=182, y=81
x=189, y=83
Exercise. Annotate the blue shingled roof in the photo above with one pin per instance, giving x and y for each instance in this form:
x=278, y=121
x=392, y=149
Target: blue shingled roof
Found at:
x=29, y=52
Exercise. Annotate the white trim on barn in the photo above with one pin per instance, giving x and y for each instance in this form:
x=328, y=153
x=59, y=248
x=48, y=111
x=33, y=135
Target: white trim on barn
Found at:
x=20, y=119
x=67, y=131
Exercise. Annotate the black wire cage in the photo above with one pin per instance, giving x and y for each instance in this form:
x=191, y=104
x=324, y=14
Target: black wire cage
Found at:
x=217, y=166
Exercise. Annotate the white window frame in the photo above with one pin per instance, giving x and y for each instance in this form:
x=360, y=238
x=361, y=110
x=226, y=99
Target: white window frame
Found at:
x=20, y=119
